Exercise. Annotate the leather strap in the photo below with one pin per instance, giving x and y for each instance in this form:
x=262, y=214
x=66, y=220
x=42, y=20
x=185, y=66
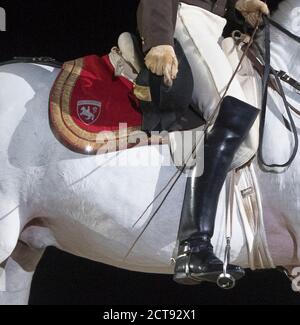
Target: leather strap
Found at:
x=284, y=31
x=260, y=67
x=289, y=80
x=268, y=70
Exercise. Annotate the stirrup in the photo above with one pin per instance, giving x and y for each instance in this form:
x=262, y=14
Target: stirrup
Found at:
x=185, y=277
x=226, y=279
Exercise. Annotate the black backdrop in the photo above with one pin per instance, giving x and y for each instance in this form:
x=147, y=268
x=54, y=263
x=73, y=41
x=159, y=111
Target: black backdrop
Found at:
x=70, y=29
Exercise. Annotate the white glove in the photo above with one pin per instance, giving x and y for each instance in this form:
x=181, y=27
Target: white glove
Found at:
x=162, y=61
x=252, y=10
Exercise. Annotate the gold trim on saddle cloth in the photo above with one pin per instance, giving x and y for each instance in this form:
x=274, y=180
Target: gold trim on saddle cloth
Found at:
x=70, y=134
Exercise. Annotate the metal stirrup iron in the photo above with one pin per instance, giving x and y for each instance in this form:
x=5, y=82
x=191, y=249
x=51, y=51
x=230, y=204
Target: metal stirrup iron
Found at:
x=226, y=281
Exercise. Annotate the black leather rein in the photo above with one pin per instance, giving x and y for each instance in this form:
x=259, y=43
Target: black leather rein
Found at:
x=266, y=81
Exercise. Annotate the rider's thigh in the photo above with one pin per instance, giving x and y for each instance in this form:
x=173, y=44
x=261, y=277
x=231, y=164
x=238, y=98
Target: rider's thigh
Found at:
x=199, y=32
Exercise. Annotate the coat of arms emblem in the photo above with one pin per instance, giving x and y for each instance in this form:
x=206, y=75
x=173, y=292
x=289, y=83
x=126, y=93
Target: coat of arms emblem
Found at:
x=88, y=111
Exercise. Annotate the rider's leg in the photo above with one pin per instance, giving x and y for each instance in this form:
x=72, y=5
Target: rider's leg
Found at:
x=212, y=72
x=199, y=32
x=196, y=260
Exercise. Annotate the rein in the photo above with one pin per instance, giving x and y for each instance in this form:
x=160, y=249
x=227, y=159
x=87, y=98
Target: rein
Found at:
x=284, y=31
x=260, y=67
x=268, y=71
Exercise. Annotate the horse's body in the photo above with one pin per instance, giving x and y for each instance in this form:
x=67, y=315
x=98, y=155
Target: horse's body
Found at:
x=88, y=205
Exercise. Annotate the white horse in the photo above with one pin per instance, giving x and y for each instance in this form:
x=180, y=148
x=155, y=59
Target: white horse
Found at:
x=50, y=196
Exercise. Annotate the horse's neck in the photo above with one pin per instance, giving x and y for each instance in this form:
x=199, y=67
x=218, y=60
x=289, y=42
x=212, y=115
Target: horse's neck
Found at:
x=288, y=14
x=285, y=51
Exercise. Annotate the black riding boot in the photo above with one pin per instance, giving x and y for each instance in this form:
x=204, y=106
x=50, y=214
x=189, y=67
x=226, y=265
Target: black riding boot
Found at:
x=196, y=261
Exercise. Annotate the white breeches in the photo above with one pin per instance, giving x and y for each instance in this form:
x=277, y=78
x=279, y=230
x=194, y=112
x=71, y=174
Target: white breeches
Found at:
x=200, y=34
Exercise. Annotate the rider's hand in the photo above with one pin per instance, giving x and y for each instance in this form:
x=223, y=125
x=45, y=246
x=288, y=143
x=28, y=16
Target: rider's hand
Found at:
x=162, y=61
x=252, y=10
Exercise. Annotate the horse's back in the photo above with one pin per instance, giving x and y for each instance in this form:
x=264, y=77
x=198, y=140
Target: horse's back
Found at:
x=27, y=138
x=24, y=97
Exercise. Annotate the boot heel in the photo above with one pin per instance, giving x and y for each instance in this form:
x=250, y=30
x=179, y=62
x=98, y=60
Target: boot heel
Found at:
x=182, y=272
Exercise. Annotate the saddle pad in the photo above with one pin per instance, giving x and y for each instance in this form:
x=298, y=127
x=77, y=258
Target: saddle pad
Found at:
x=94, y=111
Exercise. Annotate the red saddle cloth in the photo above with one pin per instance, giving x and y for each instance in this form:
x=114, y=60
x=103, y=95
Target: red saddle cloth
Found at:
x=91, y=110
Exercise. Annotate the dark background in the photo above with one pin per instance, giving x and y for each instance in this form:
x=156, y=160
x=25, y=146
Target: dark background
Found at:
x=70, y=29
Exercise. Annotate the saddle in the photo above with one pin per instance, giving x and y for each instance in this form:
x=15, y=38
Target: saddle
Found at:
x=93, y=108
x=95, y=103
